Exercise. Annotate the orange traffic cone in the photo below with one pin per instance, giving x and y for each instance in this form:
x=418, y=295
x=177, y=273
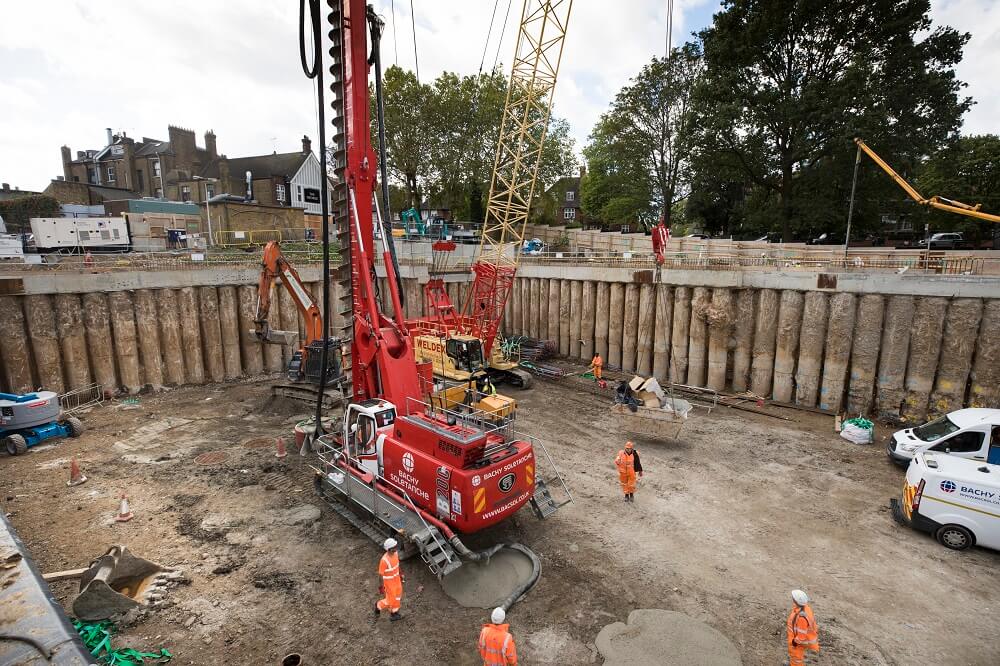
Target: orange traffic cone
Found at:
x=124, y=511
x=76, y=477
x=281, y=448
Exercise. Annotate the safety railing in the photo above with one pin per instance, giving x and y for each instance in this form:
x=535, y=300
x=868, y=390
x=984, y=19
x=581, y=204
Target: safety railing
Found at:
x=242, y=238
x=537, y=445
x=159, y=261
x=465, y=416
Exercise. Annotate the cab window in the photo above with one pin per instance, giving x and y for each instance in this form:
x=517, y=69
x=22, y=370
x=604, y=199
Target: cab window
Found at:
x=467, y=354
x=935, y=430
x=386, y=417
x=964, y=442
x=362, y=438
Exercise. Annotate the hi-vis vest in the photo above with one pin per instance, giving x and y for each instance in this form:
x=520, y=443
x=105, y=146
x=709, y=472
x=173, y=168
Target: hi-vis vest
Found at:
x=802, y=629
x=496, y=646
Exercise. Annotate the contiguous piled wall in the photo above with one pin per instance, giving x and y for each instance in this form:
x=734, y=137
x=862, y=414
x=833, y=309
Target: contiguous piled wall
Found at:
x=900, y=353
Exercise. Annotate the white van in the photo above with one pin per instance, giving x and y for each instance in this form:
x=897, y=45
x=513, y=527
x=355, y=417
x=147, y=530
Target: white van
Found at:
x=968, y=433
x=954, y=499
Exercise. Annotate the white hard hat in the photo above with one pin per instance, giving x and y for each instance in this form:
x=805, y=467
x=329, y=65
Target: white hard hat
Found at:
x=800, y=597
x=389, y=544
x=498, y=615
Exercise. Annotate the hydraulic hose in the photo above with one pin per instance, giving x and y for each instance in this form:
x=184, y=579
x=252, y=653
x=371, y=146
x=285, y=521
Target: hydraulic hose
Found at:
x=315, y=71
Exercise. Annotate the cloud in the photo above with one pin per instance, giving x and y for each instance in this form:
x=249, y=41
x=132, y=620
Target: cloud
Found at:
x=978, y=68
x=71, y=68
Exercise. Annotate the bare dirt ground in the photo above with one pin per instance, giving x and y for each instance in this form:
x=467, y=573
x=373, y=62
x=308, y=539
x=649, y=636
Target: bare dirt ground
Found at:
x=733, y=515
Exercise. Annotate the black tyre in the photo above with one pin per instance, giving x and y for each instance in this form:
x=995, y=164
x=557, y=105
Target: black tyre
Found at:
x=75, y=426
x=15, y=444
x=955, y=537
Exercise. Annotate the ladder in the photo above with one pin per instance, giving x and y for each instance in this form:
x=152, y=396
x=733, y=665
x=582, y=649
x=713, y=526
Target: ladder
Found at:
x=543, y=503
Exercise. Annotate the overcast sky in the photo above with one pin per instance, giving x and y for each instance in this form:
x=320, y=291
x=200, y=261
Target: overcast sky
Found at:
x=70, y=69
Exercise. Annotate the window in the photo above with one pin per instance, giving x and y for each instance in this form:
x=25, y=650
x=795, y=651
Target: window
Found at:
x=279, y=193
x=571, y=196
x=185, y=193
x=156, y=169
x=298, y=193
x=159, y=193
x=569, y=213
x=626, y=229
x=964, y=442
x=139, y=182
x=92, y=175
x=111, y=174
x=936, y=429
x=209, y=190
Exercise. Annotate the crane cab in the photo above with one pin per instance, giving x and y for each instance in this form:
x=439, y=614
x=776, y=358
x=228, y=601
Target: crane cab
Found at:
x=366, y=425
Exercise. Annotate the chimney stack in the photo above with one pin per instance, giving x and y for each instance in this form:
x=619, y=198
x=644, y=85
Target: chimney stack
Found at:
x=583, y=171
x=306, y=145
x=111, y=138
x=6, y=187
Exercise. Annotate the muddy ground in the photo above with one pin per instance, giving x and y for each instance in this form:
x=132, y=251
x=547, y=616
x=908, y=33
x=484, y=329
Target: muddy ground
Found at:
x=733, y=515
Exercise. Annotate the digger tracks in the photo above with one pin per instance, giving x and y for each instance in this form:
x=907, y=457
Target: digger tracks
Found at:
x=343, y=273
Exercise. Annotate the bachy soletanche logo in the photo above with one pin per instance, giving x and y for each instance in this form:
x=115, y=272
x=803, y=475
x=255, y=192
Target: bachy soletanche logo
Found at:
x=948, y=486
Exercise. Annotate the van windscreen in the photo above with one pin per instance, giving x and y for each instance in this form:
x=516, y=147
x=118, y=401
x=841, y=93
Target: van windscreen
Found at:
x=935, y=430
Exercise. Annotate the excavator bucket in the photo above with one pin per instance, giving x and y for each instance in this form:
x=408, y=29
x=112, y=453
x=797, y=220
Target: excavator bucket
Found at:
x=276, y=337
x=119, y=581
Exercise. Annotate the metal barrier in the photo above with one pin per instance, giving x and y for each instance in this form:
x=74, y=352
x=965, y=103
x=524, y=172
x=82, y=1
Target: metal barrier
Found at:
x=80, y=399
x=162, y=261
x=243, y=238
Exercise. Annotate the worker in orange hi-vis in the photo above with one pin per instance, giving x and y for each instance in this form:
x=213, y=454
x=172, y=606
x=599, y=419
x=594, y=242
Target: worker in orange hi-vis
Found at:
x=661, y=234
x=392, y=581
x=496, y=644
x=803, y=634
x=629, y=468
x=596, y=365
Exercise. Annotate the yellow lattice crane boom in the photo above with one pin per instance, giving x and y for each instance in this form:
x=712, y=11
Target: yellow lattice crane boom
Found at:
x=526, y=114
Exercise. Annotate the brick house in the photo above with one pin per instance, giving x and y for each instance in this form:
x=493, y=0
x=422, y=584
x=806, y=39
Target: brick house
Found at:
x=179, y=170
x=149, y=167
x=565, y=194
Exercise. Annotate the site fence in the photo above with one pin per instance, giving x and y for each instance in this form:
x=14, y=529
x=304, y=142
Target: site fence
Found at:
x=244, y=238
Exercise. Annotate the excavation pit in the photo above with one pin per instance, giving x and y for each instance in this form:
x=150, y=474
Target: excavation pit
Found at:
x=489, y=584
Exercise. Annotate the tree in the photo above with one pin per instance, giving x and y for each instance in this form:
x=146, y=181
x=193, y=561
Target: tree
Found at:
x=967, y=171
x=639, y=150
x=789, y=83
x=407, y=103
x=441, y=139
x=17, y=213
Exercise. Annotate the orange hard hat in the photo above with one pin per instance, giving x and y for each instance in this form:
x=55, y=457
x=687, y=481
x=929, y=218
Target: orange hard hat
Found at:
x=629, y=445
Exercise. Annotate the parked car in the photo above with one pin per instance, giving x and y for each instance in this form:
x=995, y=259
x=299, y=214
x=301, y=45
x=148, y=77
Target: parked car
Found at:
x=943, y=241
x=967, y=433
x=697, y=236
x=827, y=238
x=954, y=500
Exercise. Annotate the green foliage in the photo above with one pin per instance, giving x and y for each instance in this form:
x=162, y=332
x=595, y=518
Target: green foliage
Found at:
x=638, y=152
x=441, y=139
x=17, y=213
x=967, y=171
x=788, y=85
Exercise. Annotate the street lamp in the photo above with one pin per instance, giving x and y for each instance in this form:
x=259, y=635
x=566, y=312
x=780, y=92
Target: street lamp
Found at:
x=208, y=209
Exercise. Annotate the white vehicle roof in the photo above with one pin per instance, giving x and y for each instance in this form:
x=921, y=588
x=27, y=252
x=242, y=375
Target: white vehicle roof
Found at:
x=965, y=418
x=961, y=468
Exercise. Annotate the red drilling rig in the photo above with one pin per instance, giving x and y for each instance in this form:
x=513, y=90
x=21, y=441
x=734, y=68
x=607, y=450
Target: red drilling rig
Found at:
x=399, y=465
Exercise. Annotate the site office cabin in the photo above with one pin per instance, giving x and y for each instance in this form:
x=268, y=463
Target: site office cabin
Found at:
x=468, y=478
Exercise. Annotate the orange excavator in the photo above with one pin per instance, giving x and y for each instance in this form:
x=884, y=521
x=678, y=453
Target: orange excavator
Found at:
x=304, y=369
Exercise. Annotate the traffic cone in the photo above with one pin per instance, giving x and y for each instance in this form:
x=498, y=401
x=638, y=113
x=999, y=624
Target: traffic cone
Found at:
x=281, y=448
x=124, y=511
x=76, y=477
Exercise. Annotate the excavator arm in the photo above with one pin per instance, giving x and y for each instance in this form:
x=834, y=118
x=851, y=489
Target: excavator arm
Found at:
x=939, y=203
x=275, y=266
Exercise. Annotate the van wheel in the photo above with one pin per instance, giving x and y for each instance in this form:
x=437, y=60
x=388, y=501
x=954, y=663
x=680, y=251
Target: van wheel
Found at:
x=955, y=537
